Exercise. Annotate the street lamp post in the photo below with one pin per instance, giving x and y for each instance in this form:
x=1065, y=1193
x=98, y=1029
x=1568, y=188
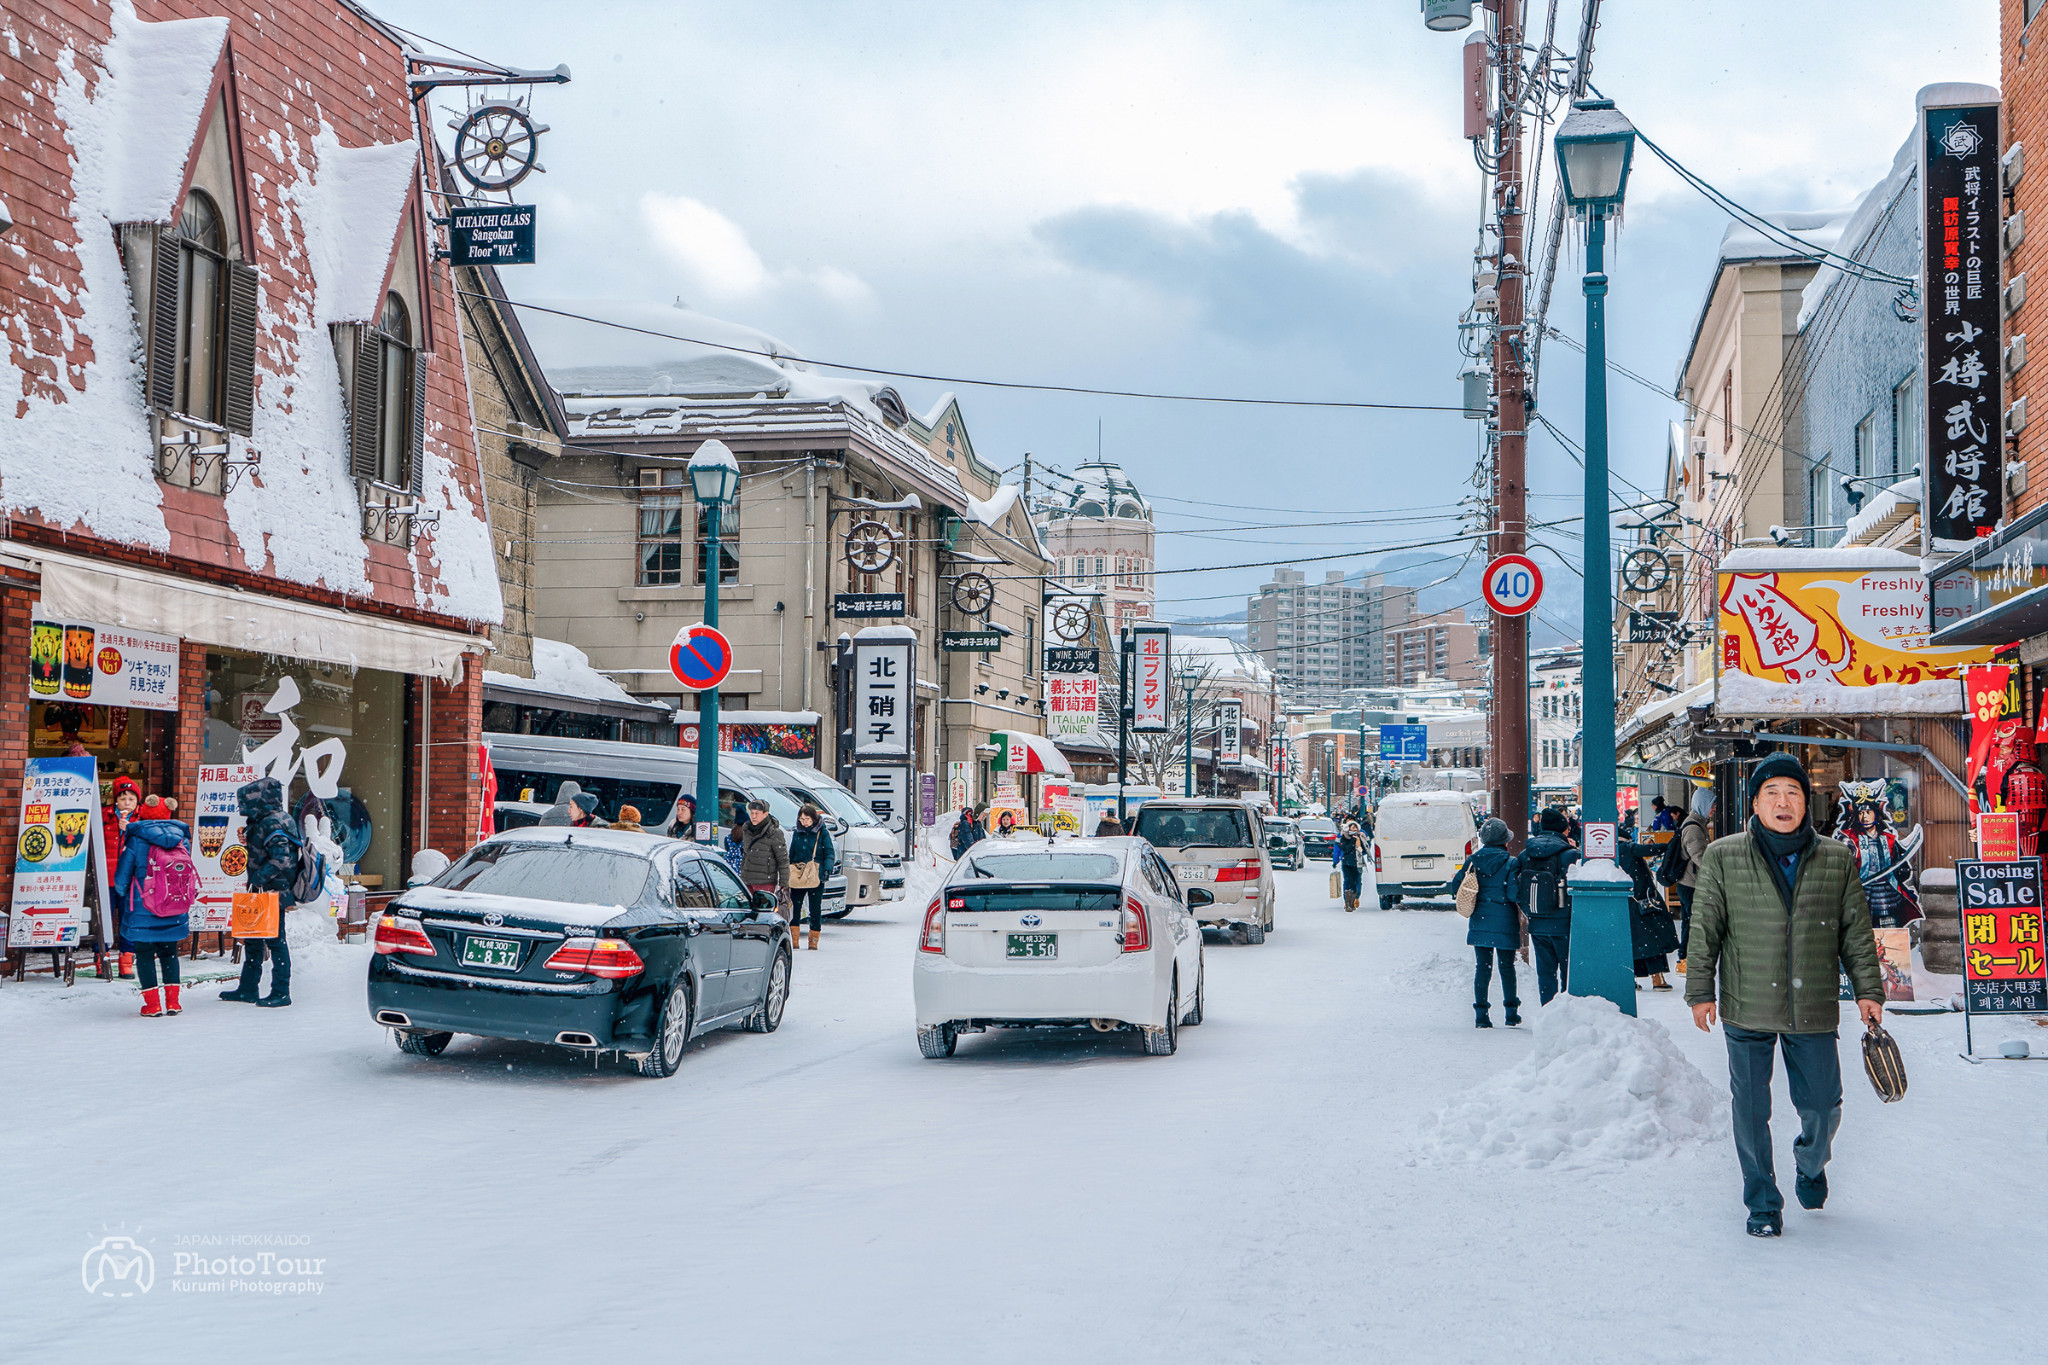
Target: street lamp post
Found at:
x=1330, y=778
x=1189, y=678
x=715, y=479
x=1595, y=144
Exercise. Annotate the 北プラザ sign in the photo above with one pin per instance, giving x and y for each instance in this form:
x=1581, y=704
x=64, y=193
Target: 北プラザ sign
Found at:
x=1152, y=656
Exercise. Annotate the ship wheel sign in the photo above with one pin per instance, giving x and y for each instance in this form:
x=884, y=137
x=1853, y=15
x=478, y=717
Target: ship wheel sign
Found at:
x=1070, y=622
x=870, y=546
x=495, y=145
x=973, y=594
x=1645, y=571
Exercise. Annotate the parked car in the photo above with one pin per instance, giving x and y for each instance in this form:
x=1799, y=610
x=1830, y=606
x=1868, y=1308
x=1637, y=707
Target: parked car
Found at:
x=1215, y=842
x=598, y=940
x=650, y=777
x=1318, y=837
x=1082, y=933
x=864, y=842
x=1419, y=842
x=517, y=815
x=1284, y=846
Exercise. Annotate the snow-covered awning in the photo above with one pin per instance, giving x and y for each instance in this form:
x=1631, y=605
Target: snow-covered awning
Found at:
x=116, y=594
x=1655, y=716
x=563, y=680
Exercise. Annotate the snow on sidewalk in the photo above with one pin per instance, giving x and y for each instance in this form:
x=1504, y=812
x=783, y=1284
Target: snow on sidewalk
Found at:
x=1599, y=1088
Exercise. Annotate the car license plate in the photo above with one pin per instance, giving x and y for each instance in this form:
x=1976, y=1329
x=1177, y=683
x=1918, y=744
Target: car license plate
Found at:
x=1422, y=864
x=1033, y=945
x=502, y=954
x=1194, y=872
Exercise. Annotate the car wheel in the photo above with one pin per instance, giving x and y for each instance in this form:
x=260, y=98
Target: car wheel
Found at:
x=938, y=1041
x=1201, y=991
x=671, y=1033
x=1160, y=1042
x=1255, y=933
x=424, y=1044
x=1389, y=902
x=768, y=1017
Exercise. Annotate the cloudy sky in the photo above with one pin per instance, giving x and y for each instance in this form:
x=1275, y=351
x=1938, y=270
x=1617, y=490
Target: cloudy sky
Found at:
x=1264, y=200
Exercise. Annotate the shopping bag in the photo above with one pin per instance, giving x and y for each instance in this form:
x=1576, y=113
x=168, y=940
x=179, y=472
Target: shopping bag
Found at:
x=254, y=915
x=1336, y=885
x=1881, y=1059
x=1468, y=893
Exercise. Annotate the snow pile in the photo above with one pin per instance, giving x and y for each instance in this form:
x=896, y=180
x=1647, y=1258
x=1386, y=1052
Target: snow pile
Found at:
x=1597, y=1089
x=157, y=79
x=562, y=670
x=1742, y=695
x=351, y=212
x=1899, y=497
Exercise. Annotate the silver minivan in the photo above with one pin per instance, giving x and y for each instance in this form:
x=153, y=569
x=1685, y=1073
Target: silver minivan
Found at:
x=1218, y=844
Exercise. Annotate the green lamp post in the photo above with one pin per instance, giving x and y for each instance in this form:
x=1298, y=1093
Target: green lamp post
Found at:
x=715, y=479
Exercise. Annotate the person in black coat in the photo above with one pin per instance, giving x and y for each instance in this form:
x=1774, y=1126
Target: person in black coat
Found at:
x=1349, y=855
x=967, y=831
x=1495, y=930
x=273, y=844
x=1652, y=933
x=1540, y=877
x=812, y=843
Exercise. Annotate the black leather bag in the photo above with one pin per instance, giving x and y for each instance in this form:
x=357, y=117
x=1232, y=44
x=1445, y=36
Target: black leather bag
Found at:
x=1881, y=1059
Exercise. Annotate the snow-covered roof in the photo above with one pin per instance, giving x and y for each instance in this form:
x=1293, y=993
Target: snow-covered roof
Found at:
x=1886, y=510
x=562, y=670
x=1863, y=219
x=1229, y=657
x=1799, y=559
x=1742, y=695
x=352, y=210
x=1819, y=229
x=1652, y=714
x=1100, y=488
x=157, y=79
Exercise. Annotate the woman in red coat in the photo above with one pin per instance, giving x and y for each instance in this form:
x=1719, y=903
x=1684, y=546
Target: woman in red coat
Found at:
x=127, y=796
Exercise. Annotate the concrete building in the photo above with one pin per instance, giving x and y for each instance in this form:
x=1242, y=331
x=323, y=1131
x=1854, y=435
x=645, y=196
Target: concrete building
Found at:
x=1441, y=645
x=1321, y=638
x=1098, y=533
x=1556, y=713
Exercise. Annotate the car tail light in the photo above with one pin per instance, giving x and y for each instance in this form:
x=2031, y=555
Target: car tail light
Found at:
x=1468, y=848
x=610, y=958
x=933, y=940
x=1243, y=870
x=1376, y=858
x=396, y=935
x=1137, y=933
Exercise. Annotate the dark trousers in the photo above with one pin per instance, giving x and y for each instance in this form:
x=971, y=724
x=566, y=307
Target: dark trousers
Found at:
x=1353, y=877
x=149, y=956
x=1813, y=1070
x=280, y=965
x=1482, y=976
x=798, y=895
x=1684, y=920
x=1553, y=954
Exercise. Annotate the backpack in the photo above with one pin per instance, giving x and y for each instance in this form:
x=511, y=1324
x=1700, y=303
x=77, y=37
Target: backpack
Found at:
x=1545, y=872
x=310, y=882
x=1674, y=863
x=171, y=886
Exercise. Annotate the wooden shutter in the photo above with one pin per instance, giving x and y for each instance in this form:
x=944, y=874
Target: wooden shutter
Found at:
x=416, y=448
x=363, y=404
x=161, y=380
x=244, y=291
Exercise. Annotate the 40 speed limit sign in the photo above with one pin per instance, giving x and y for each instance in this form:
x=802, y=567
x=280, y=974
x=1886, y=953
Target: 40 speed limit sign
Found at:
x=1513, y=585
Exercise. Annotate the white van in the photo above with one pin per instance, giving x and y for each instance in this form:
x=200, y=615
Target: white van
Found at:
x=1419, y=841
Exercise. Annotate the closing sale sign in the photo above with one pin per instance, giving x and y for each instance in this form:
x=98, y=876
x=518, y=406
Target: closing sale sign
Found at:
x=2005, y=970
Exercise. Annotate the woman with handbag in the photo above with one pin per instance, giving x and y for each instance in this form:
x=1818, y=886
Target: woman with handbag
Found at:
x=1348, y=856
x=810, y=865
x=1486, y=894
x=1653, y=935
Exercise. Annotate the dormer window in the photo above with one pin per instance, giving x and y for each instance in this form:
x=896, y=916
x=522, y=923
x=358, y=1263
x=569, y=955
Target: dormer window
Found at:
x=200, y=322
x=392, y=339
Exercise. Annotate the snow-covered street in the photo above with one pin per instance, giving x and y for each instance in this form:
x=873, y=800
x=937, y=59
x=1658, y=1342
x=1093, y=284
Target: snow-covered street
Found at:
x=1275, y=1192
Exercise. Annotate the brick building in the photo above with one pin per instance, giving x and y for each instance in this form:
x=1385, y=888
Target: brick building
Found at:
x=242, y=440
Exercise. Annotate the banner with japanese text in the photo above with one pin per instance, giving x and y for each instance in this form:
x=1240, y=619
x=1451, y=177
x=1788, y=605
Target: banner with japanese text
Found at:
x=1070, y=702
x=61, y=837
x=96, y=665
x=1959, y=303
x=1150, y=676
x=1833, y=641
x=2004, y=967
x=218, y=849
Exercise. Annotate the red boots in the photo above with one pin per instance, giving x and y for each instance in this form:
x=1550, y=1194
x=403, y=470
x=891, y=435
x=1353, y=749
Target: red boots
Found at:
x=152, y=1003
x=171, y=1005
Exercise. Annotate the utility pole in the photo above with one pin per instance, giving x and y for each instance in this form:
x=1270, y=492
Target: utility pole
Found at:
x=1509, y=720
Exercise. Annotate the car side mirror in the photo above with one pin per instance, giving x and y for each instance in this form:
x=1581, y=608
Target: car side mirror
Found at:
x=1199, y=896
x=766, y=900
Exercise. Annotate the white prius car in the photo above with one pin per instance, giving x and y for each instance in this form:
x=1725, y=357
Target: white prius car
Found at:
x=1078, y=933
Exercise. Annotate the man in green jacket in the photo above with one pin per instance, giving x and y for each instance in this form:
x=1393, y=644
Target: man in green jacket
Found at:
x=1776, y=911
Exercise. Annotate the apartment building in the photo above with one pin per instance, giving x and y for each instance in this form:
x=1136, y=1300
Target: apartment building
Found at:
x=1321, y=638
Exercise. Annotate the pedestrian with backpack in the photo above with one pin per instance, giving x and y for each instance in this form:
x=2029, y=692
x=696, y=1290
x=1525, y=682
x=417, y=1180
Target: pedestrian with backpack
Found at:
x=275, y=846
x=1540, y=872
x=157, y=884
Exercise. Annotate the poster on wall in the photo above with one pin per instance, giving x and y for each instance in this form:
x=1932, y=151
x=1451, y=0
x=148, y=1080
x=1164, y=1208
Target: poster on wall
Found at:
x=1959, y=317
x=1152, y=650
x=2004, y=970
x=1070, y=702
x=217, y=845
x=959, y=786
x=96, y=665
x=1007, y=796
x=1830, y=642
x=61, y=836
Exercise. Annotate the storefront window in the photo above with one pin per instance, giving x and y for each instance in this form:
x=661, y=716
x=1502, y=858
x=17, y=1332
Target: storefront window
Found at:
x=364, y=709
x=127, y=741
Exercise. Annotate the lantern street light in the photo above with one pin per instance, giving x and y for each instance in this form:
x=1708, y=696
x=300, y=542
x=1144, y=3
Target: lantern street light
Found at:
x=1595, y=145
x=1190, y=678
x=715, y=479
x=1330, y=778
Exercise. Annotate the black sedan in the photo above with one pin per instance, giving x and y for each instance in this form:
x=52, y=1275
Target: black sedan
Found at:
x=1318, y=837
x=598, y=940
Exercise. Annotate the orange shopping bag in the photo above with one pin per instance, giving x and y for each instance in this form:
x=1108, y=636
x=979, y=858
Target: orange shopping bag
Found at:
x=254, y=915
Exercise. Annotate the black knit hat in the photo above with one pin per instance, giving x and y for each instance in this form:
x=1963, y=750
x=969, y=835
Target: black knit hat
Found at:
x=1552, y=821
x=1494, y=833
x=1780, y=765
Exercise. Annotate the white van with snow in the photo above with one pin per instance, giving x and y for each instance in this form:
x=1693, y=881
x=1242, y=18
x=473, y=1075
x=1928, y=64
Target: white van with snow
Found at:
x=1419, y=841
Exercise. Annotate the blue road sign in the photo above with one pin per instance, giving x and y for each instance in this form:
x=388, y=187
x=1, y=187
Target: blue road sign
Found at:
x=1405, y=743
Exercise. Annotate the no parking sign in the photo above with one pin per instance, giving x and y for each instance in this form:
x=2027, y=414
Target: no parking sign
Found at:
x=1513, y=585
x=700, y=658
